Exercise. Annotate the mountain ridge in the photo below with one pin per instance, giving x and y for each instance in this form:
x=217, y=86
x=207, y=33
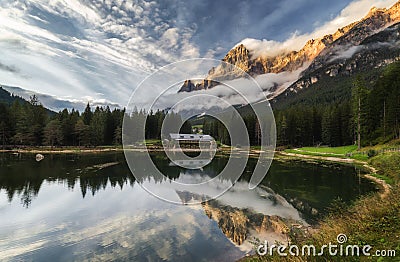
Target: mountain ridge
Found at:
x=316, y=52
x=51, y=102
x=7, y=97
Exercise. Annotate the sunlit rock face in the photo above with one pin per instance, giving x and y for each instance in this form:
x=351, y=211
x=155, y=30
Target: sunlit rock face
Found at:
x=375, y=51
x=241, y=57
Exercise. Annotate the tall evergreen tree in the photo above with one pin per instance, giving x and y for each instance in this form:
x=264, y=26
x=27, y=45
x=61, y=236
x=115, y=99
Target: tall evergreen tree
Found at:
x=87, y=115
x=53, y=134
x=359, y=97
x=82, y=133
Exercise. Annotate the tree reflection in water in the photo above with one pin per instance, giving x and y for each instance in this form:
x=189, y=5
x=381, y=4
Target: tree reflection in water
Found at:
x=310, y=188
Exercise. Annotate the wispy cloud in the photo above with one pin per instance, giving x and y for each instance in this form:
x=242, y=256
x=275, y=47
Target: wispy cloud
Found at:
x=8, y=68
x=81, y=48
x=344, y=52
x=239, y=91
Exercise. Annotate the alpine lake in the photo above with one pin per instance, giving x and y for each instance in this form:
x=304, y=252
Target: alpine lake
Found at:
x=90, y=207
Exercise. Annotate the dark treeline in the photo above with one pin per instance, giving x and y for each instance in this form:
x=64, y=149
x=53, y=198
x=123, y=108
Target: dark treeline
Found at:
x=29, y=124
x=297, y=126
x=313, y=125
x=220, y=132
x=154, y=124
x=25, y=123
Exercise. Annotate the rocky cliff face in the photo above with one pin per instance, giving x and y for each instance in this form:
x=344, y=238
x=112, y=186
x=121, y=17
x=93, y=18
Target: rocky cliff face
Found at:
x=317, y=52
x=189, y=85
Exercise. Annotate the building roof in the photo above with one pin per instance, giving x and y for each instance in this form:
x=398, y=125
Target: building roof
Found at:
x=191, y=137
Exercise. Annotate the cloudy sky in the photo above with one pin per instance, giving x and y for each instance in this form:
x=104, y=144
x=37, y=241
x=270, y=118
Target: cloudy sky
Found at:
x=91, y=50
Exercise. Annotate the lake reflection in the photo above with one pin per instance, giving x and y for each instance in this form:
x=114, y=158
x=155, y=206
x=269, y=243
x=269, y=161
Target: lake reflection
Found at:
x=85, y=207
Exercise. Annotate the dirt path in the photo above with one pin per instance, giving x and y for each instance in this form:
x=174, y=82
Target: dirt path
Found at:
x=321, y=153
x=328, y=158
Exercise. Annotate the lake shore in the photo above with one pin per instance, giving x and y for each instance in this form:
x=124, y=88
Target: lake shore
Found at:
x=253, y=152
x=78, y=150
x=66, y=150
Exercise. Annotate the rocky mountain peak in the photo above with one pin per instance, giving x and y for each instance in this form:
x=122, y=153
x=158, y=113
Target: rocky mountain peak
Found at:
x=244, y=60
x=238, y=56
x=239, y=51
x=374, y=10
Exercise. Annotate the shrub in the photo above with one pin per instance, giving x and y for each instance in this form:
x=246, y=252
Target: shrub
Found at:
x=372, y=153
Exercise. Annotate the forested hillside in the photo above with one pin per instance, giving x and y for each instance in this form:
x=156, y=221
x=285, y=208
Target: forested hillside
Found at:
x=335, y=123
x=7, y=98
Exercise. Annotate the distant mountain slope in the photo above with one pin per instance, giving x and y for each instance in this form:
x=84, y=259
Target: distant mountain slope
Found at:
x=8, y=98
x=52, y=102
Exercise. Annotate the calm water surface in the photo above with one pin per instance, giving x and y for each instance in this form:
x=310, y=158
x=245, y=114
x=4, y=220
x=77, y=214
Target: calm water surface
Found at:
x=90, y=207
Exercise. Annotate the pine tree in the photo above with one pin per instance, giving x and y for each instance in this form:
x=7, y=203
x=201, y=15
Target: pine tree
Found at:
x=97, y=125
x=5, y=125
x=82, y=133
x=53, y=133
x=87, y=115
x=359, y=96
